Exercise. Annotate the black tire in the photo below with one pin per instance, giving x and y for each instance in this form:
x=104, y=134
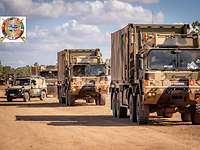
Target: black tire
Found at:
x=142, y=111
x=114, y=106
x=186, y=116
x=195, y=115
x=102, y=100
x=43, y=95
x=121, y=111
x=26, y=96
x=70, y=100
x=132, y=108
x=97, y=100
x=9, y=99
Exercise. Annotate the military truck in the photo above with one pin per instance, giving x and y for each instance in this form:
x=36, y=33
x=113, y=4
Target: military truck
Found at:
x=155, y=68
x=26, y=88
x=50, y=72
x=81, y=75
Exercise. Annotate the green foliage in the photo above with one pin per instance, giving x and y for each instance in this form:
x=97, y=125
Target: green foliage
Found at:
x=196, y=27
x=20, y=71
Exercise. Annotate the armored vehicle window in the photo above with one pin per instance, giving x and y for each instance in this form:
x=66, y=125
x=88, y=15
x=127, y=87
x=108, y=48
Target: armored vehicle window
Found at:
x=95, y=70
x=79, y=70
x=189, y=59
x=2, y=82
x=22, y=82
x=49, y=74
x=161, y=59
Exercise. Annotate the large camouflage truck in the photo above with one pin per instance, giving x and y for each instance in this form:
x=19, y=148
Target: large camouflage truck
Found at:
x=155, y=68
x=50, y=73
x=26, y=88
x=81, y=75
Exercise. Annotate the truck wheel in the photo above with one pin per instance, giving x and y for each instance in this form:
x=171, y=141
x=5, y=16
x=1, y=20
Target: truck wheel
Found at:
x=142, y=111
x=121, y=111
x=114, y=106
x=132, y=108
x=195, y=115
x=102, y=100
x=97, y=100
x=71, y=100
x=42, y=95
x=26, y=96
x=9, y=99
x=186, y=116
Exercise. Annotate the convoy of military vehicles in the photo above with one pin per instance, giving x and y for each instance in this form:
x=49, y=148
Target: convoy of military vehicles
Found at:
x=154, y=68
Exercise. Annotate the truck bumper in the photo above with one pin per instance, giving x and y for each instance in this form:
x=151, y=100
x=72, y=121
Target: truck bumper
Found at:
x=175, y=96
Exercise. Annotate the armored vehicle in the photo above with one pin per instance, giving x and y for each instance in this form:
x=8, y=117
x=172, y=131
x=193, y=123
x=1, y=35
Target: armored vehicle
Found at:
x=50, y=74
x=155, y=68
x=81, y=75
x=26, y=88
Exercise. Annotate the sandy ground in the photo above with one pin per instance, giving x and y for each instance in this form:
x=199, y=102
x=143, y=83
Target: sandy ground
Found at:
x=48, y=125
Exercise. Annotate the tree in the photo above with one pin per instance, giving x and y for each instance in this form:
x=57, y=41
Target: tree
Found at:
x=196, y=27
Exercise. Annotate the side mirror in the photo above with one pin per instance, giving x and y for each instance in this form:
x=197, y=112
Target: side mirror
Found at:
x=140, y=61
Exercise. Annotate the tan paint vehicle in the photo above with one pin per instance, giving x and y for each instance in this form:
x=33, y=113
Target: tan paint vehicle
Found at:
x=81, y=75
x=3, y=87
x=50, y=74
x=155, y=68
x=26, y=88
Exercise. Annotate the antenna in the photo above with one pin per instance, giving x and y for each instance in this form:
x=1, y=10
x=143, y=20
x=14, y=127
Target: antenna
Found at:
x=152, y=17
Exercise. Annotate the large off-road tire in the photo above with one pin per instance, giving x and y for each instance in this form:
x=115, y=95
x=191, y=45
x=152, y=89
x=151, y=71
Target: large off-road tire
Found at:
x=43, y=95
x=186, y=116
x=132, y=108
x=121, y=111
x=70, y=100
x=97, y=100
x=195, y=115
x=26, y=96
x=142, y=111
x=102, y=100
x=9, y=99
x=114, y=105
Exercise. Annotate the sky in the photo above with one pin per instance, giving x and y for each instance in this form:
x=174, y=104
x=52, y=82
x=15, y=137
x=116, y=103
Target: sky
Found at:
x=54, y=25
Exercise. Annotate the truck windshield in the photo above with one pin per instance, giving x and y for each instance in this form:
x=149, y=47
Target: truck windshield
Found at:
x=22, y=82
x=89, y=70
x=95, y=70
x=174, y=59
x=49, y=74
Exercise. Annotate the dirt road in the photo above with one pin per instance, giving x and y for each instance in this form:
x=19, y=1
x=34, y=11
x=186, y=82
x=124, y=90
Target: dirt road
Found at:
x=50, y=126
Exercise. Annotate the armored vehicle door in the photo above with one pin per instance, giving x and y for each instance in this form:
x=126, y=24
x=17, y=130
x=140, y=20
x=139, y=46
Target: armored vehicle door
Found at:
x=35, y=90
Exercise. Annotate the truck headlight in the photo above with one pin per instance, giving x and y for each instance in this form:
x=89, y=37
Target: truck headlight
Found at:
x=73, y=89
